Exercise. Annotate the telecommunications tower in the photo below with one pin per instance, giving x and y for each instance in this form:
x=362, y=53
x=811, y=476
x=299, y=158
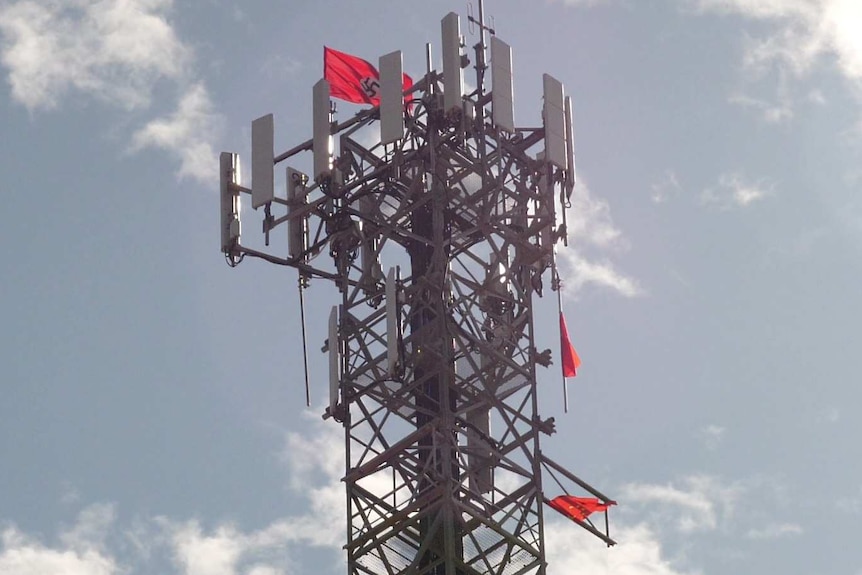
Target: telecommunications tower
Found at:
x=440, y=238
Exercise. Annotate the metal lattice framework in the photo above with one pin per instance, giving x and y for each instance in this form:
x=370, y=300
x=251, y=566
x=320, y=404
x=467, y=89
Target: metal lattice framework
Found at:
x=434, y=361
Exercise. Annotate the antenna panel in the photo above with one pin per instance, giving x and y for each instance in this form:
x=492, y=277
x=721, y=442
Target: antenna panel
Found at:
x=392, y=322
x=322, y=144
x=453, y=75
x=229, y=176
x=571, y=174
x=391, y=98
x=502, y=102
x=262, y=161
x=372, y=273
x=334, y=359
x=481, y=479
x=553, y=114
x=297, y=225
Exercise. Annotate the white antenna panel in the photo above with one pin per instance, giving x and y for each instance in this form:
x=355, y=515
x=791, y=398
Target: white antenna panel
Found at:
x=262, y=161
x=571, y=174
x=297, y=226
x=553, y=114
x=334, y=359
x=229, y=175
x=392, y=321
x=322, y=145
x=502, y=102
x=453, y=75
x=391, y=98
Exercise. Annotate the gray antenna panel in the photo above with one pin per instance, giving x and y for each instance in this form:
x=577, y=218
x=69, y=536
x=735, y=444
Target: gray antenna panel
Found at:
x=322, y=130
x=229, y=176
x=372, y=273
x=502, y=102
x=391, y=98
x=453, y=75
x=297, y=225
x=262, y=161
x=553, y=114
x=393, y=358
x=571, y=174
x=334, y=359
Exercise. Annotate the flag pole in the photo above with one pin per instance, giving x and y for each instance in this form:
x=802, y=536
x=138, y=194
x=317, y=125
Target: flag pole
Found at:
x=557, y=284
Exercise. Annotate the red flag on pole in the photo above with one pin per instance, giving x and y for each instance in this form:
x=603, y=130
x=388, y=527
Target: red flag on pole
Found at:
x=353, y=79
x=571, y=361
x=578, y=508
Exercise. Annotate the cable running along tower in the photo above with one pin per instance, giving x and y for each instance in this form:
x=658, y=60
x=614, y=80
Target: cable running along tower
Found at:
x=440, y=238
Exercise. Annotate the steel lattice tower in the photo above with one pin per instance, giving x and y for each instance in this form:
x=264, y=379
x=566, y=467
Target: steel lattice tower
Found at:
x=432, y=362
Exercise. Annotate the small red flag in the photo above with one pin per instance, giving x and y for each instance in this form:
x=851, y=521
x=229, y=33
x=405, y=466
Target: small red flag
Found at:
x=353, y=79
x=571, y=361
x=578, y=508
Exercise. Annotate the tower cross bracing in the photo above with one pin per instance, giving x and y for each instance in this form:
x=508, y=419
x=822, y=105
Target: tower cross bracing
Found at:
x=433, y=359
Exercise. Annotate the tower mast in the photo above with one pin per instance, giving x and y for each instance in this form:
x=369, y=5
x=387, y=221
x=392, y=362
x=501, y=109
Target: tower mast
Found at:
x=440, y=239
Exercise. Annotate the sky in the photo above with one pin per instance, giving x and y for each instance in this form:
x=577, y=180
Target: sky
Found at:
x=152, y=416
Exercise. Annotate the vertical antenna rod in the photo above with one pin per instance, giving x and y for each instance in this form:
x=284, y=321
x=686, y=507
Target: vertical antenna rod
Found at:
x=481, y=62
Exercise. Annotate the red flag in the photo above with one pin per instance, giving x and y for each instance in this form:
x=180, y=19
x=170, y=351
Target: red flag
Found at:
x=571, y=361
x=353, y=79
x=578, y=508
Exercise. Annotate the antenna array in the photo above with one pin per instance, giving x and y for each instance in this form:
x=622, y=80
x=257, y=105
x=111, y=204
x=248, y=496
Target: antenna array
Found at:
x=432, y=359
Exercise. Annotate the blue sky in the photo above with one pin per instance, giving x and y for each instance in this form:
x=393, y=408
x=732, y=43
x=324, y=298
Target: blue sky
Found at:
x=152, y=416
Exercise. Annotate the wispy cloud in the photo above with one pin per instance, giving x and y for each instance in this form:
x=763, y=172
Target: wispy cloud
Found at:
x=775, y=112
x=667, y=188
x=850, y=504
x=802, y=33
x=578, y=272
x=712, y=435
x=187, y=133
x=592, y=236
x=113, y=51
x=695, y=503
x=775, y=531
x=735, y=191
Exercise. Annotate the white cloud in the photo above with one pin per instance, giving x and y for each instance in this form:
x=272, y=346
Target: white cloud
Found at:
x=775, y=531
x=214, y=554
x=80, y=553
x=803, y=32
x=114, y=50
x=96, y=545
x=573, y=551
x=187, y=133
x=92, y=528
x=734, y=191
x=589, y=220
x=578, y=272
x=591, y=229
x=696, y=504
